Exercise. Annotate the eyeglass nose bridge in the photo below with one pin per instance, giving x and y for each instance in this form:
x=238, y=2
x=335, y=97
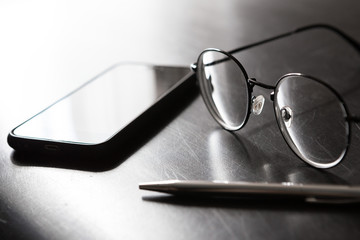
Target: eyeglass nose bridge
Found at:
x=253, y=82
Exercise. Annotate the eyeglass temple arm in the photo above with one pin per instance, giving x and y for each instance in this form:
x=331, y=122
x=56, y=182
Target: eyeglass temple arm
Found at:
x=353, y=119
x=346, y=37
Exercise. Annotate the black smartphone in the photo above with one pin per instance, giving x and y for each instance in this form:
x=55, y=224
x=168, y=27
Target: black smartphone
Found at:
x=104, y=112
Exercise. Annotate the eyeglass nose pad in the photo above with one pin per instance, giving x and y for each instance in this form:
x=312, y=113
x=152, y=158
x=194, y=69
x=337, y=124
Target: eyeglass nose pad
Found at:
x=210, y=83
x=287, y=116
x=258, y=104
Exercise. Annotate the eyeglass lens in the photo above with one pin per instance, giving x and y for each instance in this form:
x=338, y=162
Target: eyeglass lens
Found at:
x=312, y=119
x=224, y=89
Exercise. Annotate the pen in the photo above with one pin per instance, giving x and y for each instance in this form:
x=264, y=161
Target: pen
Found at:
x=322, y=193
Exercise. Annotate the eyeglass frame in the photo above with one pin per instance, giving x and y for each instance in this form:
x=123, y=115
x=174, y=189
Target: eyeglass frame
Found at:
x=252, y=82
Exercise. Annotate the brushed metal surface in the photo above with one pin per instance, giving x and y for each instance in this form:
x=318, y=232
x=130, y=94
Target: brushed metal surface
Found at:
x=49, y=47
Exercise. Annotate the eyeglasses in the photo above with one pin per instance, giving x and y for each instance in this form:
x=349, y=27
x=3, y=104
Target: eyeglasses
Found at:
x=313, y=118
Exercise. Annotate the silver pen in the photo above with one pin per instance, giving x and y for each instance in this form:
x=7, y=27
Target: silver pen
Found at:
x=321, y=193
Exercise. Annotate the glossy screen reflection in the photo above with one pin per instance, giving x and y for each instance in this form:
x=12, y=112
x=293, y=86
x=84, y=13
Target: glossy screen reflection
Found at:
x=103, y=106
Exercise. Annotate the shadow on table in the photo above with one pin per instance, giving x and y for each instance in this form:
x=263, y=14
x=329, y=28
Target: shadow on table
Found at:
x=160, y=116
x=282, y=204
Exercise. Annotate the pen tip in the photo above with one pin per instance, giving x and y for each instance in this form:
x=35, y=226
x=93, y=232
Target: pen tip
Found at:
x=154, y=186
x=144, y=186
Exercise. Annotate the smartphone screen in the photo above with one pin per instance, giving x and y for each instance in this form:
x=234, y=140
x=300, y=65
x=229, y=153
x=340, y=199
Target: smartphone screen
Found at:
x=103, y=106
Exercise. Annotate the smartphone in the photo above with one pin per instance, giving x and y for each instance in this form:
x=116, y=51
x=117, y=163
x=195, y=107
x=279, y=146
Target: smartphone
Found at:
x=105, y=112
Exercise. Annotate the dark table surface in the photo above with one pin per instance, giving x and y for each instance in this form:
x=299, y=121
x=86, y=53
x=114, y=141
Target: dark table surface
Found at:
x=47, y=48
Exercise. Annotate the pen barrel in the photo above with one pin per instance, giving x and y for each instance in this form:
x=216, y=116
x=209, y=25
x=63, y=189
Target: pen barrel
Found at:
x=245, y=189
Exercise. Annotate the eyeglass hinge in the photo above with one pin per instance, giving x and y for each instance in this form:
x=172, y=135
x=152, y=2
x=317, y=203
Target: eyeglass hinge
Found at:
x=193, y=67
x=272, y=96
